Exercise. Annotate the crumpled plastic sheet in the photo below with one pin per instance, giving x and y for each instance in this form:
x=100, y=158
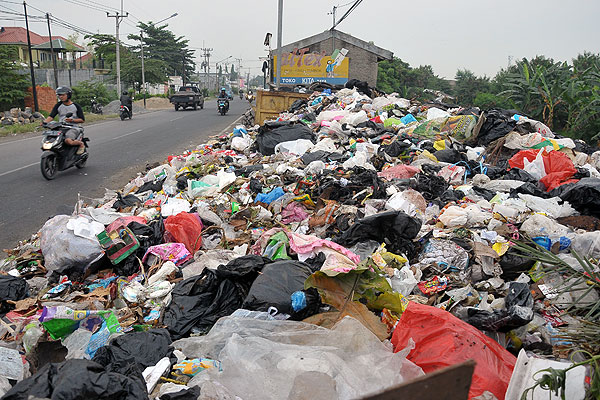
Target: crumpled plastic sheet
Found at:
x=348, y=359
x=445, y=254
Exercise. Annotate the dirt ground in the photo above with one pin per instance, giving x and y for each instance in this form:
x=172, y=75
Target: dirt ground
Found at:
x=154, y=103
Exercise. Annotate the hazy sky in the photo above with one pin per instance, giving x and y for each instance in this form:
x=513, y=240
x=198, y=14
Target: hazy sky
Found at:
x=476, y=34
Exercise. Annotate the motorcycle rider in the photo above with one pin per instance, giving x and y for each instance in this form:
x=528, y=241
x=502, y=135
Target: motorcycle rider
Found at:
x=223, y=95
x=126, y=101
x=62, y=108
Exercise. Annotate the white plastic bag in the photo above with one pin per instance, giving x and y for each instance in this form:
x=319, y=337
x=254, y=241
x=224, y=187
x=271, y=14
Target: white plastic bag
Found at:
x=298, y=147
x=536, y=167
x=62, y=248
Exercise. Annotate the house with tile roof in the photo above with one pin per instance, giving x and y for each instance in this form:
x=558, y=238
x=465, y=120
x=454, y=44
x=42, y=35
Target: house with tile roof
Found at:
x=40, y=46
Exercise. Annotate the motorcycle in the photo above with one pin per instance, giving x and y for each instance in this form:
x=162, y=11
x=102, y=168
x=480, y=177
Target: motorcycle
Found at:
x=124, y=112
x=250, y=98
x=58, y=156
x=222, y=106
x=96, y=107
x=241, y=96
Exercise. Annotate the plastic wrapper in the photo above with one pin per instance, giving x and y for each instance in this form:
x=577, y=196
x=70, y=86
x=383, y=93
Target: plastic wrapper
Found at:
x=185, y=228
x=349, y=358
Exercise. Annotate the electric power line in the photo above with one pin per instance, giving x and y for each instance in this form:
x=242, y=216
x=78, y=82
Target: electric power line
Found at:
x=352, y=8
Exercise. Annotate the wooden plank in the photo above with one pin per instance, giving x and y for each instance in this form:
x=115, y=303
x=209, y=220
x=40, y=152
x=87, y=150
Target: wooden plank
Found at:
x=450, y=383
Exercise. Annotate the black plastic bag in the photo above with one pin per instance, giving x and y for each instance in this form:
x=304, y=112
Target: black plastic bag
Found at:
x=496, y=125
x=485, y=193
x=518, y=174
x=448, y=155
x=529, y=188
x=584, y=196
x=11, y=288
x=307, y=158
x=185, y=394
x=147, y=235
x=451, y=195
x=513, y=264
x=518, y=311
x=361, y=86
x=247, y=170
x=125, y=201
x=395, y=148
x=394, y=228
x=273, y=133
x=429, y=185
x=275, y=285
x=144, y=349
x=198, y=302
x=155, y=186
x=78, y=379
x=296, y=105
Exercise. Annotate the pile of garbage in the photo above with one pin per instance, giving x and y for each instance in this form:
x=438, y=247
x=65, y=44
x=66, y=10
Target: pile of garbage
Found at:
x=351, y=245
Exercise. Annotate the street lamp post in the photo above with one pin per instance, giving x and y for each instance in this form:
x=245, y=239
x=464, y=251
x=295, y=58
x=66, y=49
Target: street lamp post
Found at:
x=216, y=69
x=142, y=53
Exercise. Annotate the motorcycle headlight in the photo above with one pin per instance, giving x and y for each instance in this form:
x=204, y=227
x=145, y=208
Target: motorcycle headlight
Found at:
x=47, y=145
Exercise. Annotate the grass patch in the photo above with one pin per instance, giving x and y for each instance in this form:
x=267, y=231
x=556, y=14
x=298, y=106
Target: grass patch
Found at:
x=35, y=126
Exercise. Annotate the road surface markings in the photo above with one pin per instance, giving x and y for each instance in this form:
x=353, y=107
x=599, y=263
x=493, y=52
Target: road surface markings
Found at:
x=20, y=168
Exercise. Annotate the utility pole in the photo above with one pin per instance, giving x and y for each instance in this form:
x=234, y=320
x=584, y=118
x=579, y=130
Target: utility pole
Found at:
x=118, y=18
x=183, y=68
x=52, y=51
x=34, y=90
x=207, y=65
x=332, y=29
x=279, y=28
x=143, y=71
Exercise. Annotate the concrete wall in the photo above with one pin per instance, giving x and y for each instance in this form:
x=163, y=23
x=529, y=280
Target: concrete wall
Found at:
x=70, y=77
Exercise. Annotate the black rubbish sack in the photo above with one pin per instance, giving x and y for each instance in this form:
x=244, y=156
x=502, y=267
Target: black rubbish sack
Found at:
x=497, y=125
x=275, y=285
x=147, y=235
x=513, y=264
x=273, y=133
x=429, y=185
x=198, y=302
x=518, y=174
x=185, y=394
x=529, y=188
x=78, y=379
x=394, y=228
x=518, y=311
x=361, y=86
x=155, y=186
x=11, y=288
x=321, y=155
x=448, y=155
x=395, y=148
x=143, y=348
x=125, y=201
x=584, y=196
x=296, y=105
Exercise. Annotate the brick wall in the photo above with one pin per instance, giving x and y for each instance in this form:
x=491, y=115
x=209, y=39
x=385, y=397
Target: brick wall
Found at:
x=362, y=64
x=46, y=98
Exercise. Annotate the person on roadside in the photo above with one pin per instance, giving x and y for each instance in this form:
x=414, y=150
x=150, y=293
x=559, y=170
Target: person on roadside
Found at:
x=62, y=108
x=127, y=101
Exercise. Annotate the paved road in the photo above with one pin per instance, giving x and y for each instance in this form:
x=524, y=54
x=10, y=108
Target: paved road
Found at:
x=118, y=150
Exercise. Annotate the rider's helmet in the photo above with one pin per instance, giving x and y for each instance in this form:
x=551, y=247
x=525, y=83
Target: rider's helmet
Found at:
x=64, y=90
x=125, y=93
x=222, y=89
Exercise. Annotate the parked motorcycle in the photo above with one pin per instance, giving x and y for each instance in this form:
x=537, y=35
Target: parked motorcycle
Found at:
x=96, y=107
x=223, y=106
x=124, y=112
x=58, y=156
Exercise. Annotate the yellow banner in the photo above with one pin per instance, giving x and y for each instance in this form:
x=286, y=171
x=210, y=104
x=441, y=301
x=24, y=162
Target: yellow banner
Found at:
x=309, y=68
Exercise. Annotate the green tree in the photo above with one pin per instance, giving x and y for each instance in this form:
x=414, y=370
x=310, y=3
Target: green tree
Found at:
x=13, y=85
x=162, y=44
x=398, y=76
x=233, y=75
x=85, y=91
x=468, y=85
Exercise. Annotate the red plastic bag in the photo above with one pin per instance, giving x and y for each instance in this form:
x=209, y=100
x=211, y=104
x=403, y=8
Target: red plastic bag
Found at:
x=517, y=161
x=442, y=340
x=184, y=228
x=559, y=169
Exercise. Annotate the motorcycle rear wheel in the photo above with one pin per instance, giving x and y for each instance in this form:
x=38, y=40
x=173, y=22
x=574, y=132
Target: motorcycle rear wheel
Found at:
x=81, y=163
x=49, y=166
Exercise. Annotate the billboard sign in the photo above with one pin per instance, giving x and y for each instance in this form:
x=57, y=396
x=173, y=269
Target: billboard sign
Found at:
x=301, y=67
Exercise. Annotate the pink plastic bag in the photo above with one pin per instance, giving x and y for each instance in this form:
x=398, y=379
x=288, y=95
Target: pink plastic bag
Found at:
x=184, y=228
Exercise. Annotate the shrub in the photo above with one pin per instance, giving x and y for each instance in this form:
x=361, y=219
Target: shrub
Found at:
x=85, y=91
